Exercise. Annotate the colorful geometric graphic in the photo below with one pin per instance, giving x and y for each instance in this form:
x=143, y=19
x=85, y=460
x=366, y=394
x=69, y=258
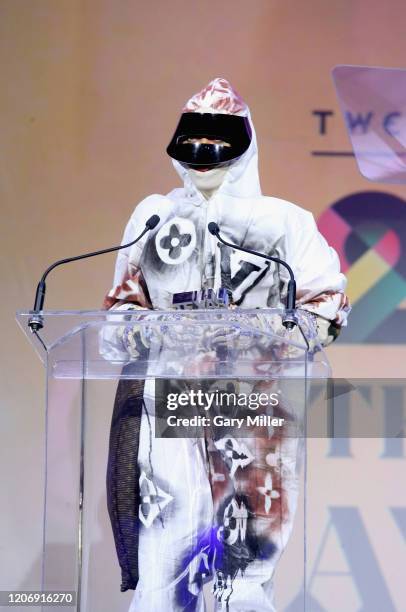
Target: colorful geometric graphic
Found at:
x=368, y=231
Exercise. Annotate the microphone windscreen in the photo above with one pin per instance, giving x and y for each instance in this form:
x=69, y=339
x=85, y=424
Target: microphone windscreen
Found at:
x=213, y=228
x=152, y=222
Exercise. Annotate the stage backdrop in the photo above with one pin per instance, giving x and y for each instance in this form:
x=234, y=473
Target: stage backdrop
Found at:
x=90, y=96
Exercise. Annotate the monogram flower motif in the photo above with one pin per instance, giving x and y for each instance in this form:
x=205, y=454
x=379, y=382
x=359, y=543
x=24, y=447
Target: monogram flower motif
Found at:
x=268, y=492
x=175, y=241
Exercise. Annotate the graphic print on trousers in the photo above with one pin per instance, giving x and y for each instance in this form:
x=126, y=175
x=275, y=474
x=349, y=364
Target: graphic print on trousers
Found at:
x=254, y=490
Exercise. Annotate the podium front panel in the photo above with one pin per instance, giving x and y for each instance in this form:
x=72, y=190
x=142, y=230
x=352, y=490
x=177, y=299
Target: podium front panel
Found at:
x=249, y=350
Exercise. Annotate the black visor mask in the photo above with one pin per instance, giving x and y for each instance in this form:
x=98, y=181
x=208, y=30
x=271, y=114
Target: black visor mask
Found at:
x=232, y=132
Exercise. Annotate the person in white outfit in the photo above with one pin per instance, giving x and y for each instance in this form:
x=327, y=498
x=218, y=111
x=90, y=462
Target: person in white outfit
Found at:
x=185, y=513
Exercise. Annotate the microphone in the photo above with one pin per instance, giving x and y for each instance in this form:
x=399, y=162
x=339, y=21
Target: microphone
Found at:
x=289, y=319
x=35, y=323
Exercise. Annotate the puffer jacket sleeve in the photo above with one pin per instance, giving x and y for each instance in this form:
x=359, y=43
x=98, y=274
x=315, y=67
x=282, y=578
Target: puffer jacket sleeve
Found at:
x=129, y=286
x=129, y=292
x=320, y=284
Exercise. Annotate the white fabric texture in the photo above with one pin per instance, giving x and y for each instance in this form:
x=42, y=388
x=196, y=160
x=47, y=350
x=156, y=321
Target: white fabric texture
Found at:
x=181, y=255
x=246, y=217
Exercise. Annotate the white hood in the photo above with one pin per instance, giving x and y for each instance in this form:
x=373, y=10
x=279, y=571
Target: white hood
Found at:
x=242, y=180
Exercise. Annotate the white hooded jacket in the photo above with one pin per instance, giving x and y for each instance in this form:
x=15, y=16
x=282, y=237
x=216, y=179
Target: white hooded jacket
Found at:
x=181, y=255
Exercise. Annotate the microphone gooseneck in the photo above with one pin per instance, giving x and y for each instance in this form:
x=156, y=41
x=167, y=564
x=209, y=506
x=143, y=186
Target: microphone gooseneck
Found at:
x=35, y=323
x=289, y=318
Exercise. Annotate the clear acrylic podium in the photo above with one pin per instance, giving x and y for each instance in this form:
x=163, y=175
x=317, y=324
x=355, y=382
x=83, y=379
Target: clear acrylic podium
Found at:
x=85, y=354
